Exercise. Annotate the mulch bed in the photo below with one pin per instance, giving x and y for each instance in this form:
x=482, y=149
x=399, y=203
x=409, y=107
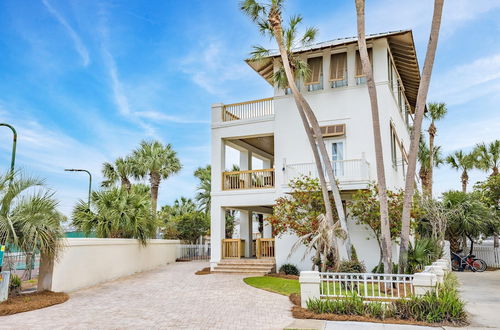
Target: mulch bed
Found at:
x=281, y=275
x=31, y=301
x=204, y=271
x=302, y=313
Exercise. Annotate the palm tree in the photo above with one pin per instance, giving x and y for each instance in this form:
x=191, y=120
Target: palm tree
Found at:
x=488, y=156
x=385, y=230
x=462, y=162
x=156, y=161
x=423, y=90
x=424, y=159
x=268, y=17
x=117, y=213
x=120, y=171
x=29, y=220
x=204, y=188
x=436, y=112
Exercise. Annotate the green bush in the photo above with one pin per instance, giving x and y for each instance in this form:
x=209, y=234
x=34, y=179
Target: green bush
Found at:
x=14, y=285
x=289, y=269
x=379, y=269
x=434, y=307
x=352, y=266
x=423, y=253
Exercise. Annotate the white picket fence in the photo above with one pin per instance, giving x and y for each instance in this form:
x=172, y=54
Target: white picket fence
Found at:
x=488, y=253
x=366, y=285
x=193, y=251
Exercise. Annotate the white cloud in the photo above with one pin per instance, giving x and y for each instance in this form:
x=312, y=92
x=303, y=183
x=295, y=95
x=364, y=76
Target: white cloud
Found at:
x=159, y=116
x=77, y=41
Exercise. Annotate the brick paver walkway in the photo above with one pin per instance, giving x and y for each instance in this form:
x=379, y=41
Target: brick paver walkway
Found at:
x=170, y=297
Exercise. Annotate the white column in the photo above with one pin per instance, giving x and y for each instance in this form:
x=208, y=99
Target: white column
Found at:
x=245, y=160
x=268, y=230
x=217, y=112
x=217, y=233
x=4, y=285
x=267, y=163
x=424, y=282
x=246, y=231
x=309, y=286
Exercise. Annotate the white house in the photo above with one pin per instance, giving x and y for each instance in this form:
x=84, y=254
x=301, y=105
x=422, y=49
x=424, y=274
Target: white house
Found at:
x=273, y=147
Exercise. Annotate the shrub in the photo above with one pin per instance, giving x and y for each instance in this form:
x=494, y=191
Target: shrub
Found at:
x=348, y=305
x=352, y=266
x=289, y=269
x=379, y=269
x=425, y=251
x=14, y=285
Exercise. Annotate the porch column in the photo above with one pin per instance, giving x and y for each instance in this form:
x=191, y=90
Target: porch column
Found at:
x=217, y=233
x=268, y=230
x=245, y=160
x=246, y=231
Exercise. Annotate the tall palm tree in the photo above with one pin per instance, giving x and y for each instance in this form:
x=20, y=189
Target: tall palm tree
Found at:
x=203, y=197
x=488, y=156
x=423, y=90
x=29, y=220
x=119, y=171
x=425, y=159
x=386, y=242
x=157, y=162
x=436, y=111
x=462, y=162
x=268, y=17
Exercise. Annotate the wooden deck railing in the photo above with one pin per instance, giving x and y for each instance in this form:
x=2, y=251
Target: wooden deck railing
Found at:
x=265, y=248
x=233, y=248
x=252, y=179
x=248, y=110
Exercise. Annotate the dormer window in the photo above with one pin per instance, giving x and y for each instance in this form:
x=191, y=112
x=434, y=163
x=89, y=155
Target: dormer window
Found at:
x=360, y=77
x=338, y=70
x=315, y=80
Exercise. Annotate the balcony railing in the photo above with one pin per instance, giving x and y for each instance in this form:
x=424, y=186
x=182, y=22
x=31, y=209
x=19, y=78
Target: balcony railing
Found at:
x=248, y=110
x=351, y=170
x=252, y=179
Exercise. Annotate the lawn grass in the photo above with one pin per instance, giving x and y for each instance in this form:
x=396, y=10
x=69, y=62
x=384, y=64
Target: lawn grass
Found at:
x=274, y=284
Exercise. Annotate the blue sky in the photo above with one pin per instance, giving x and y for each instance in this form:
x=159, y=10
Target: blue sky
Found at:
x=84, y=81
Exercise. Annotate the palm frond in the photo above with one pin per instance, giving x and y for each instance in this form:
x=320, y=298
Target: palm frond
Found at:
x=252, y=9
x=309, y=36
x=259, y=52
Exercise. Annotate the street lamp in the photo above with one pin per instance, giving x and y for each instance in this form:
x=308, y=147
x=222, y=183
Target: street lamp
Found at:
x=90, y=178
x=14, y=144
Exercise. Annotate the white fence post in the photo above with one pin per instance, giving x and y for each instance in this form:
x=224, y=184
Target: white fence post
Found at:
x=437, y=270
x=424, y=282
x=447, y=253
x=309, y=286
x=4, y=285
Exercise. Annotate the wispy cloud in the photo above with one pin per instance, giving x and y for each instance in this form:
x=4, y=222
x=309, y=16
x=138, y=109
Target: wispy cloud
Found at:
x=77, y=41
x=158, y=116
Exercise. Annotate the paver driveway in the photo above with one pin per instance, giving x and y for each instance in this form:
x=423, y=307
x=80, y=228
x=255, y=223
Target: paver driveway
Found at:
x=170, y=297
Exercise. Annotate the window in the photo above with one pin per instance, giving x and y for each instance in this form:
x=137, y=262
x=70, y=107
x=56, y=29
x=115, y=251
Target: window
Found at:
x=338, y=70
x=288, y=90
x=360, y=77
x=315, y=81
x=394, y=145
x=337, y=150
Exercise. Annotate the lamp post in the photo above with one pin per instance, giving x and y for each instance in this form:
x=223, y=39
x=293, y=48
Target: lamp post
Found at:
x=90, y=178
x=14, y=144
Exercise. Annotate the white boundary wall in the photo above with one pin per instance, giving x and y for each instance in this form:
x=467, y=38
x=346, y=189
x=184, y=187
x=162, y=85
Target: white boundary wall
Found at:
x=86, y=262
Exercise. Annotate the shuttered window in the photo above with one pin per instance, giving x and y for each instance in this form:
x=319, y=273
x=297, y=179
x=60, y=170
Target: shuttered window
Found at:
x=316, y=66
x=359, y=66
x=338, y=66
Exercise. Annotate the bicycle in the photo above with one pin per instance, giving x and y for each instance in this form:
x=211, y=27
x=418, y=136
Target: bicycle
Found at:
x=460, y=263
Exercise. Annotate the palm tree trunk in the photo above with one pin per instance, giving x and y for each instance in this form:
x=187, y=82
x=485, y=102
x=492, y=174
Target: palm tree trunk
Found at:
x=126, y=184
x=154, y=180
x=465, y=180
x=423, y=90
x=424, y=178
x=385, y=230
x=432, y=134
x=275, y=21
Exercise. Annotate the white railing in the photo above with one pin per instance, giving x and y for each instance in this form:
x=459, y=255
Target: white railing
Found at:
x=367, y=285
x=251, y=179
x=193, y=252
x=344, y=170
x=248, y=110
x=489, y=254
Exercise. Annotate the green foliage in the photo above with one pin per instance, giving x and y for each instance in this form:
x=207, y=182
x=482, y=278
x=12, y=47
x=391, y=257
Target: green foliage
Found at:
x=29, y=220
x=379, y=269
x=14, y=284
x=443, y=306
x=488, y=156
x=422, y=253
x=117, y=213
x=289, y=269
x=351, y=266
x=204, y=188
x=120, y=171
x=489, y=193
x=182, y=220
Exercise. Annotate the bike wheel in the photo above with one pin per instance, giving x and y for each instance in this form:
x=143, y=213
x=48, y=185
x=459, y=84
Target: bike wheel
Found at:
x=455, y=265
x=482, y=266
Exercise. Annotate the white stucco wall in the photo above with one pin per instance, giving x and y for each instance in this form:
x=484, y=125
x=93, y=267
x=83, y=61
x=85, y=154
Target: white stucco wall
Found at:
x=86, y=262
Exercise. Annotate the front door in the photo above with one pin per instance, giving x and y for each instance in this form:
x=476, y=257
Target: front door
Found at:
x=337, y=153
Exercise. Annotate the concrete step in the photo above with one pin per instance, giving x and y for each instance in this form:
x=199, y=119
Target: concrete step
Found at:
x=249, y=261
x=240, y=271
x=244, y=267
x=247, y=264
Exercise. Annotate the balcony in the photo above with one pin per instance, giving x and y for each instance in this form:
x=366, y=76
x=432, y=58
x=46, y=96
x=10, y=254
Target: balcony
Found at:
x=347, y=172
x=248, y=110
x=251, y=179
